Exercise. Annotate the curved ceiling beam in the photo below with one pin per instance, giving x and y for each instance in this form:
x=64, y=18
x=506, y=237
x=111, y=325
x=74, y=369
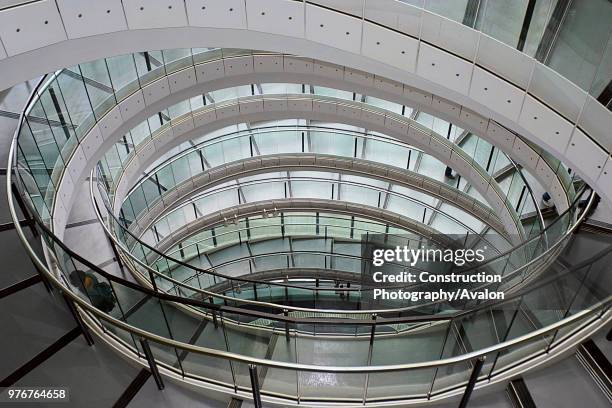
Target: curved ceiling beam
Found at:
x=544, y=114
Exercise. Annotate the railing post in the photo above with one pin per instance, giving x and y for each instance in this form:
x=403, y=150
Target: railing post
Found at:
x=23, y=208
x=152, y=279
x=472, y=382
x=373, y=331
x=117, y=257
x=31, y=223
x=79, y=321
x=255, y=385
x=214, y=314
x=286, y=313
x=152, y=365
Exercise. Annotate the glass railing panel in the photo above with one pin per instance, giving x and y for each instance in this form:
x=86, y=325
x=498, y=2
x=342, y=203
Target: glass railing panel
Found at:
x=433, y=168
x=149, y=316
x=278, y=381
x=277, y=347
x=456, y=375
x=237, y=52
x=30, y=154
x=177, y=172
x=78, y=105
x=498, y=161
x=55, y=110
x=215, y=369
x=75, y=276
x=129, y=300
x=141, y=133
x=48, y=148
x=202, y=55
x=340, y=144
x=177, y=59
x=440, y=126
x=178, y=109
x=336, y=93
x=226, y=94
x=149, y=66
x=123, y=336
x=34, y=195
x=562, y=333
x=387, y=105
x=333, y=352
x=482, y=152
x=545, y=304
x=165, y=355
x=123, y=74
x=476, y=331
x=395, y=155
x=98, y=85
x=514, y=355
x=418, y=344
x=414, y=383
x=151, y=191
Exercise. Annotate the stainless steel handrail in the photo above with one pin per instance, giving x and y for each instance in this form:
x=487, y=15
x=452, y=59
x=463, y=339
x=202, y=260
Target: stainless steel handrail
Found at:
x=276, y=364
x=525, y=265
x=215, y=190
x=340, y=311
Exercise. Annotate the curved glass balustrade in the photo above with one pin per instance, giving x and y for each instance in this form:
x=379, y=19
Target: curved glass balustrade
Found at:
x=70, y=102
x=478, y=150
x=198, y=158
x=37, y=185
x=366, y=368
x=436, y=363
x=29, y=153
x=515, y=266
x=316, y=185
x=151, y=141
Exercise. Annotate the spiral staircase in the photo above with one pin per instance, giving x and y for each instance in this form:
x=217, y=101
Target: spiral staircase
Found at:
x=185, y=226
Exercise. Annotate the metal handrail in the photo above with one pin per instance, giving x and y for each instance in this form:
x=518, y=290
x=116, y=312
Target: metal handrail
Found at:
x=210, y=192
x=409, y=122
x=282, y=128
x=334, y=311
x=179, y=262
x=268, y=363
x=43, y=78
x=293, y=366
